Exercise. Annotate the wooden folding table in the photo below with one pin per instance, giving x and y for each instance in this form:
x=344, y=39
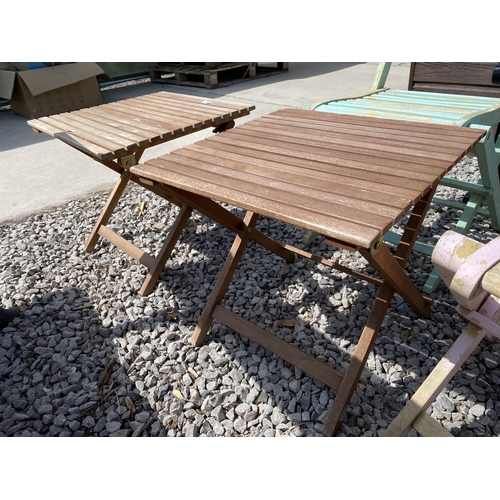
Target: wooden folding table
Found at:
x=348, y=178
x=116, y=135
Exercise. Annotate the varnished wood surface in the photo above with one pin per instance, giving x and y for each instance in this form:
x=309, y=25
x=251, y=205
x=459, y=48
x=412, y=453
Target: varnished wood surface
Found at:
x=346, y=177
x=113, y=130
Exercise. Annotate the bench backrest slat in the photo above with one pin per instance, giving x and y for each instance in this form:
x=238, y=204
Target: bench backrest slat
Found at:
x=465, y=78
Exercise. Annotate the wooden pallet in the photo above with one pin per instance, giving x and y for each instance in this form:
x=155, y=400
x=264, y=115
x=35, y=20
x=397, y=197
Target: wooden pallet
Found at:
x=211, y=74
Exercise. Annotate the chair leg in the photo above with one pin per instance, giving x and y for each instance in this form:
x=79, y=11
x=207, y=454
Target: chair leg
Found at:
x=309, y=237
x=436, y=381
x=488, y=158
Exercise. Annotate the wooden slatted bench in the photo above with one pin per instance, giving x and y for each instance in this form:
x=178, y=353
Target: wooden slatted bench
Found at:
x=427, y=105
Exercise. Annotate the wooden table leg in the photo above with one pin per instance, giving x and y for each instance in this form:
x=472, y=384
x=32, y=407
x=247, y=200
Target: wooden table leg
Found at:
x=387, y=265
x=359, y=358
x=166, y=250
x=232, y=261
x=107, y=211
x=121, y=166
x=396, y=277
x=379, y=310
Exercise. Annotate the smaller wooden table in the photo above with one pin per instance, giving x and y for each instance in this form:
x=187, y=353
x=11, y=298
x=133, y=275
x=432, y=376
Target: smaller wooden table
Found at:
x=348, y=178
x=117, y=134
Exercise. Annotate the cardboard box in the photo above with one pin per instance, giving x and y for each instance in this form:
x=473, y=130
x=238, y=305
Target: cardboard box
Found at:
x=47, y=91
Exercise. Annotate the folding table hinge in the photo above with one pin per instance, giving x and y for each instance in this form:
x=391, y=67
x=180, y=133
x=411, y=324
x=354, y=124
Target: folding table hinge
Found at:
x=127, y=161
x=223, y=127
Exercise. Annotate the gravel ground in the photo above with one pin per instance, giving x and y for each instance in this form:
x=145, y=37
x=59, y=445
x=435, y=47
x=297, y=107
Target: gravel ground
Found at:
x=88, y=357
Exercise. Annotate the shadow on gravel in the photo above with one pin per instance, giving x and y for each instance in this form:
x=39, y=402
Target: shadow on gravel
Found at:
x=323, y=312
x=88, y=357
x=60, y=374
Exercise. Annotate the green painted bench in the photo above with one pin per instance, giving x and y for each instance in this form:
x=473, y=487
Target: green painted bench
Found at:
x=434, y=103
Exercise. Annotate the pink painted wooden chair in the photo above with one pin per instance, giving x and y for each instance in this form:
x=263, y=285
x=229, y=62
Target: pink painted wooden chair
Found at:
x=471, y=271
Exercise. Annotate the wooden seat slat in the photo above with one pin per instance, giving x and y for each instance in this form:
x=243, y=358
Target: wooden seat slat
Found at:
x=413, y=155
x=392, y=112
x=124, y=124
x=155, y=112
x=216, y=104
x=327, y=161
x=156, y=129
x=186, y=113
x=46, y=125
x=374, y=101
x=374, y=110
x=443, y=111
x=378, y=169
x=474, y=103
x=68, y=125
x=382, y=100
x=401, y=127
x=289, y=193
x=126, y=118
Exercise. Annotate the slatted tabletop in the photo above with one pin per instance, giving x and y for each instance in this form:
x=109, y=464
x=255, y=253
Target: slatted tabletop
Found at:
x=347, y=177
x=117, y=129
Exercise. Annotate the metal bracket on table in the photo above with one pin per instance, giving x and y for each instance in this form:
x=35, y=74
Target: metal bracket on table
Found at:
x=374, y=250
x=127, y=161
